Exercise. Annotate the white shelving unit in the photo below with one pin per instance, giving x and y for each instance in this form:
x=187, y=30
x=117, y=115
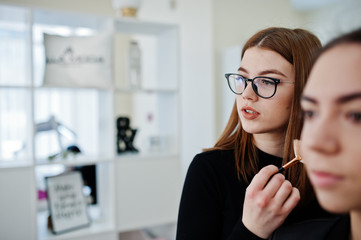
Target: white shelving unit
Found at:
x=134, y=190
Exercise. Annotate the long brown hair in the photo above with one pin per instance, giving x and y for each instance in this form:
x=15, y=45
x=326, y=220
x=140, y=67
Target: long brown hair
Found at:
x=298, y=47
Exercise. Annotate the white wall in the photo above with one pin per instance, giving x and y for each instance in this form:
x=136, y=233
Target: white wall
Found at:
x=335, y=19
x=235, y=22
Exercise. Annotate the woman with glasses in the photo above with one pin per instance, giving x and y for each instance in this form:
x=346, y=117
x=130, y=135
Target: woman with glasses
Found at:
x=331, y=138
x=232, y=190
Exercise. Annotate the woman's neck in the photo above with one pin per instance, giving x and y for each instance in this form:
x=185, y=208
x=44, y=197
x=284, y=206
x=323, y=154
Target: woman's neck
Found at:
x=270, y=143
x=355, y=219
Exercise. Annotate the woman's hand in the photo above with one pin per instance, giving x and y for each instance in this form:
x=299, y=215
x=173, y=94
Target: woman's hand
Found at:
x=268, y=201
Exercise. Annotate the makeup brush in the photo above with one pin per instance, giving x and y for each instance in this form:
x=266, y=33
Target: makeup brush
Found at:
x=297, y=159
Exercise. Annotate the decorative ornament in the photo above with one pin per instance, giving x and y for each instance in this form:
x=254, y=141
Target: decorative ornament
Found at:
x=125, y=136
x=128, y=8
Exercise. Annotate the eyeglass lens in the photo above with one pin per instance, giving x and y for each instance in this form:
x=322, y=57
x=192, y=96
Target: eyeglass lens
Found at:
x=263, y=87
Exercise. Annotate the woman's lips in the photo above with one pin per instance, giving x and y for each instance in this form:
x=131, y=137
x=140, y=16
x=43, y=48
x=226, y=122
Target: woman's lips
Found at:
x=249, y=113
x=324, y=179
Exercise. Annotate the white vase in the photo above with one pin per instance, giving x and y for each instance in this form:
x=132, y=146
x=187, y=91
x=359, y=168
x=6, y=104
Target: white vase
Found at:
x=127, y=8
x=134, y=65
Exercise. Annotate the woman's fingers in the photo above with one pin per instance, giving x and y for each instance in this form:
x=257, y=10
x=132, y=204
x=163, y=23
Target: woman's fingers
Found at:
x=283, y=192
x=268, y=201
x=274, y=184
x=262, y=177
x=265, y=185
x=286, y=198
x=291, y=201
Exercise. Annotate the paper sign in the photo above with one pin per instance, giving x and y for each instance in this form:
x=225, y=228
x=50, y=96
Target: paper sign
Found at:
x=67, y=204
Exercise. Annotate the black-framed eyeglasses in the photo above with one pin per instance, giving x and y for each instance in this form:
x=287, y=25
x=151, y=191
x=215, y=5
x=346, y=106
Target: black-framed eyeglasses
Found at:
x=264, y=87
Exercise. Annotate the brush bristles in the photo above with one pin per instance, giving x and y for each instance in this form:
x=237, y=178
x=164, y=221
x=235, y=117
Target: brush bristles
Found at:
x=297, y=159
x=296, y=148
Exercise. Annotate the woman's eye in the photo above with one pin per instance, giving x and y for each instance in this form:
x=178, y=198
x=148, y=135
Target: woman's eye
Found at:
x=267, y=82
x=308, y=114
x=354, y=117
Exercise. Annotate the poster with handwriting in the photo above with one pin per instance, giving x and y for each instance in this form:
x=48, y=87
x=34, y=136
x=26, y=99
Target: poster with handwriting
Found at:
x=67, y=204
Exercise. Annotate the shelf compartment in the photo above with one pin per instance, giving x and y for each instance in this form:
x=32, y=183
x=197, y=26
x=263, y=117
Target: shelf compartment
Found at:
x=68, y=25
x=17, y=203
x=156, y=118
x=158, y=64
x=82, y=113
x=152, y=186
x=100, y=212
x=15, y=127
x=15, y=46
x=98, y=230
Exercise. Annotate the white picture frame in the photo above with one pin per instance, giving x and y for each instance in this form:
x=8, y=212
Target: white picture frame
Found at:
x=67, y=203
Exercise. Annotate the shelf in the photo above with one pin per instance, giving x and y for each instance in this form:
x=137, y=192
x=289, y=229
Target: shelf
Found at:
x=131, y=157
x=133, y=190
x=69, y=19
x=75, y=161
x=146, y=90
x=135, y=26
x=96, y=227
x=23, y=163
x=74, y=88
x=5, y=86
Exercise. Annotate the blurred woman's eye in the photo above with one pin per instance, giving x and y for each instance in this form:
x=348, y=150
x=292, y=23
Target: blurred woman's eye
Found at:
x=354, y=117
x=308, y=114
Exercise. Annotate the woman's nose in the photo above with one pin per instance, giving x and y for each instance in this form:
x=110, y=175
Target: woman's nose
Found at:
x=320, y=135
x=248, y=92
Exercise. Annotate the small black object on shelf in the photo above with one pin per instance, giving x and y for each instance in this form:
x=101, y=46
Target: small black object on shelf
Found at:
x=89, y=177
x=125, y=136
x=73, y=150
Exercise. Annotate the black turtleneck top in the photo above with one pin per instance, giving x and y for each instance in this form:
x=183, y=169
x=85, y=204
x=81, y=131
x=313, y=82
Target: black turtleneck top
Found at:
x=212, y=199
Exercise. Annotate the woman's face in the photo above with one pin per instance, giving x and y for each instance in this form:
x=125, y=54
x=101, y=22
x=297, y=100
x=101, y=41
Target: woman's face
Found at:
x=259, y=115
x=331, y=136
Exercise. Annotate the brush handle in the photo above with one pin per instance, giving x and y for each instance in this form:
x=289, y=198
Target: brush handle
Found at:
x=297, y=159
x=280, y=170
x=289, y=164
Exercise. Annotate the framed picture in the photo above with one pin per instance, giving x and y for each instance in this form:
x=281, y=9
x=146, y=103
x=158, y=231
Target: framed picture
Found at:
x=67, y=204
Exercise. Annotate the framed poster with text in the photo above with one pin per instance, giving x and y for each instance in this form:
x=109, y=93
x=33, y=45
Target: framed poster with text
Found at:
x=67, y=204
